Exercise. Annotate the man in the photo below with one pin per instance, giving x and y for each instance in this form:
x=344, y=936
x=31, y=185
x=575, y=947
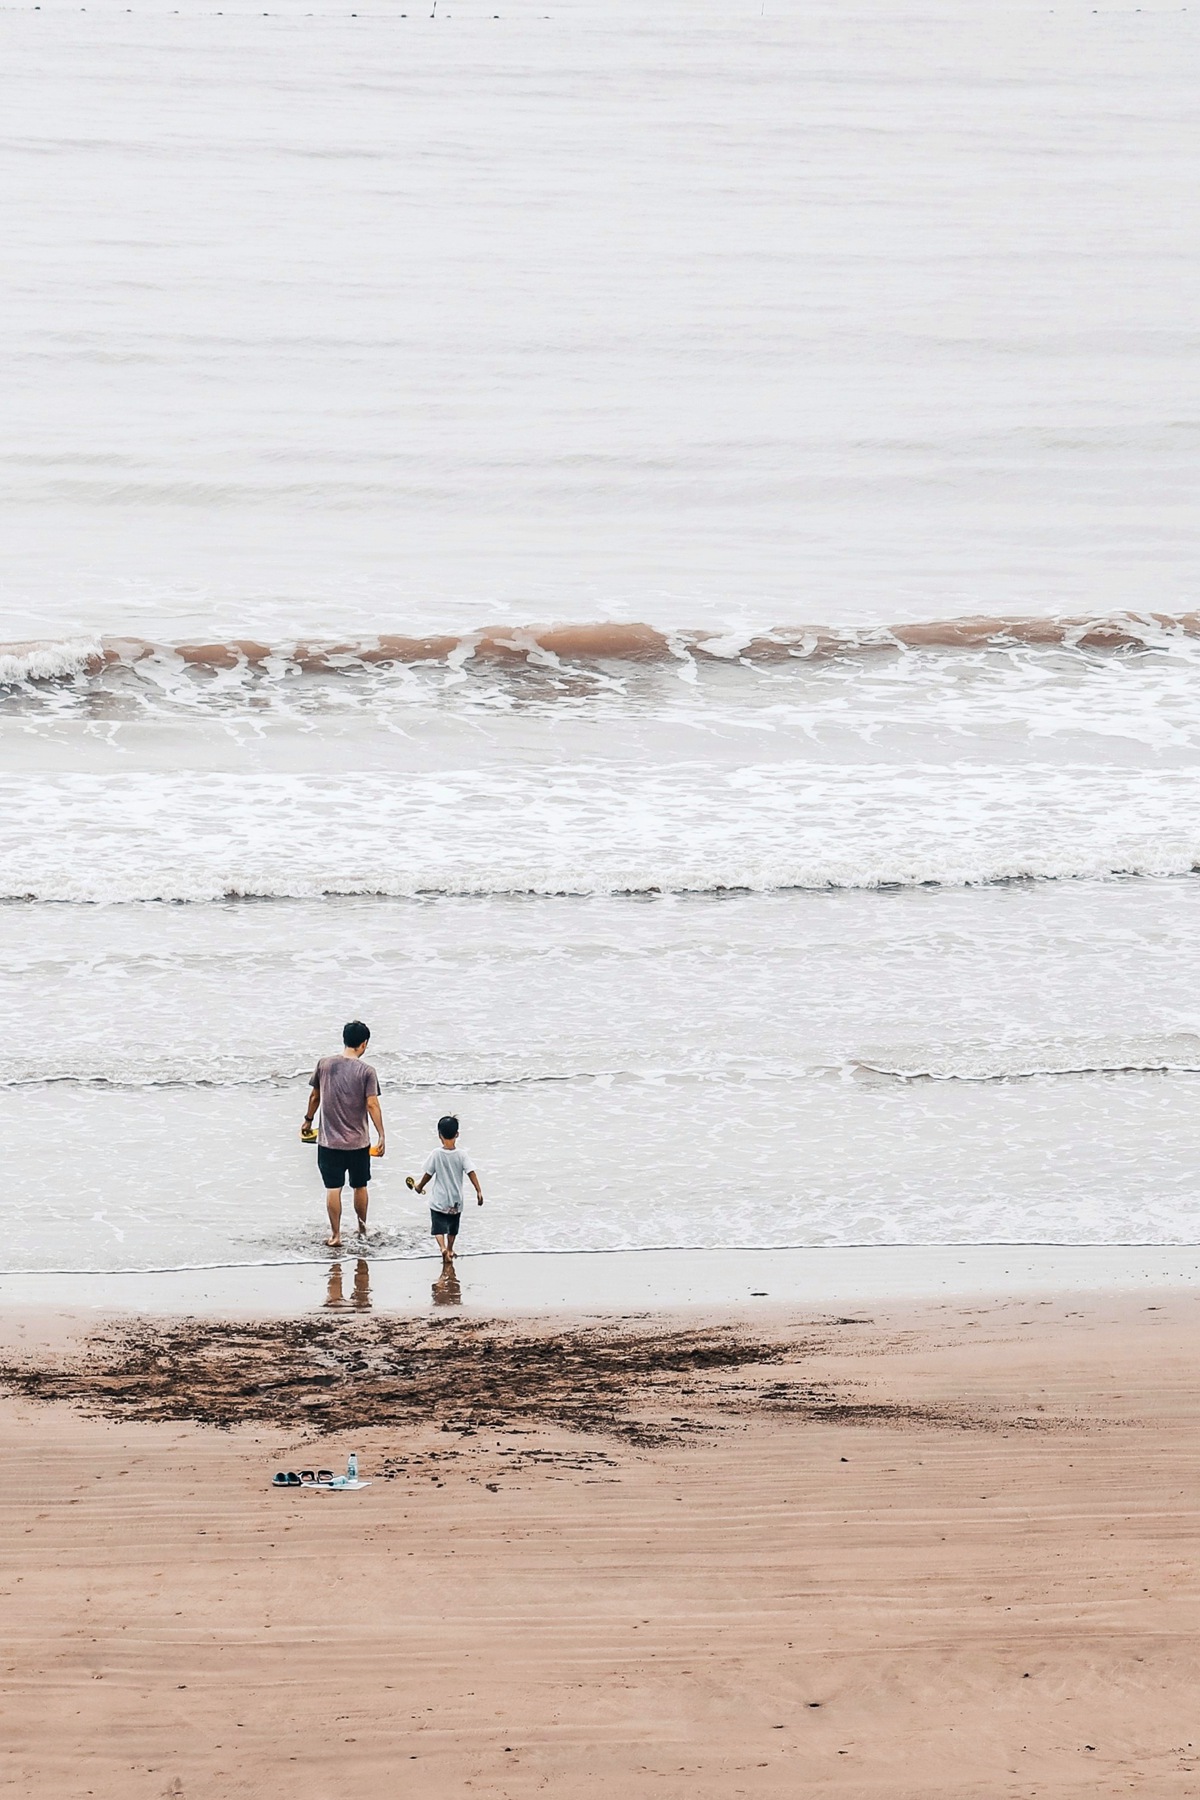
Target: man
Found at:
x=347, y=1091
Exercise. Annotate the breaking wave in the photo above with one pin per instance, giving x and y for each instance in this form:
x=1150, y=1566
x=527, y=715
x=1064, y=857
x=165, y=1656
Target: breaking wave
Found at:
x=617, y=641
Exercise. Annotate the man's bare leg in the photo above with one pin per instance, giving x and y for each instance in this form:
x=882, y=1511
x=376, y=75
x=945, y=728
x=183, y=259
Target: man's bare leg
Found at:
x=361, y=1196
x=333, y=1206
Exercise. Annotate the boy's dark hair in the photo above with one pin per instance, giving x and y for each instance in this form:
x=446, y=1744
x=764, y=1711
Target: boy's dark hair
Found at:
x=447, y=1125
x=354, y=1034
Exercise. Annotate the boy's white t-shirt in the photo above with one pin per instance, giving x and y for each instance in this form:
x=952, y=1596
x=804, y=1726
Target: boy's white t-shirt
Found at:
x=449, y=1168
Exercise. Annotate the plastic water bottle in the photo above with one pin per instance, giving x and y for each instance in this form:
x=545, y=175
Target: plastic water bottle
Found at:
x=352, y=1467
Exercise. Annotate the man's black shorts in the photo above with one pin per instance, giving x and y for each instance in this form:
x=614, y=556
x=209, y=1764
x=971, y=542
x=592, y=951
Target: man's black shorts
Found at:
x=338, y=1166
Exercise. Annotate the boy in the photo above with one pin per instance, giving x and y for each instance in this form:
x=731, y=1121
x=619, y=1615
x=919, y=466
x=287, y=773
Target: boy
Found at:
x=446, y=1168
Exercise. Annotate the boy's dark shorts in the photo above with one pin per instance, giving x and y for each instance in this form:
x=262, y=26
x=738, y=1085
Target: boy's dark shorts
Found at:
x=338, y=1166
x=444, y=1224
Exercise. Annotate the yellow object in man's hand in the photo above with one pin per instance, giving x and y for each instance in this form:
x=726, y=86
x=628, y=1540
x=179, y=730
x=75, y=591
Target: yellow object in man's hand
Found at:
x=307, y=1134
x=376, y=1149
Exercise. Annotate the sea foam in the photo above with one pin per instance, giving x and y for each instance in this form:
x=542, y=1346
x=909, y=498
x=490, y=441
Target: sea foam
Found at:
x=589, y=829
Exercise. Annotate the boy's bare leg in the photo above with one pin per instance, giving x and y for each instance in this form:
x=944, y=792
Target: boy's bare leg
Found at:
x=450, y=1248
x=333, y=1206
x=441, y=1244
x=361, y=1196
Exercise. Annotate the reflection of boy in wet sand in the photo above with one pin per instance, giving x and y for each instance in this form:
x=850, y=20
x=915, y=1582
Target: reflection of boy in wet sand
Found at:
x=446, y=1290
x=347, y=1091
x=446, y=1169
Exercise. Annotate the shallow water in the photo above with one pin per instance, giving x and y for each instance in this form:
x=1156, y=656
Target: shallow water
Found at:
x=1013, y=1064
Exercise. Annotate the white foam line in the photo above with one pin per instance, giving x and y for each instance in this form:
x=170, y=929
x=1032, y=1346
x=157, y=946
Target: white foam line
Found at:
x=1100, y=1068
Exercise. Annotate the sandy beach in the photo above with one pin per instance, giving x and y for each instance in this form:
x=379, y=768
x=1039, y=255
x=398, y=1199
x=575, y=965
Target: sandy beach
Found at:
x=940, y=1549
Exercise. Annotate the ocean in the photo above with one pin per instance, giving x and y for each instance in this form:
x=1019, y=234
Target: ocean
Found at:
x=648, y=553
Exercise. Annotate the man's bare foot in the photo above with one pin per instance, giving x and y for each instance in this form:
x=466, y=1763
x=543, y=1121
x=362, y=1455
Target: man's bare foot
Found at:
x=333, y=1243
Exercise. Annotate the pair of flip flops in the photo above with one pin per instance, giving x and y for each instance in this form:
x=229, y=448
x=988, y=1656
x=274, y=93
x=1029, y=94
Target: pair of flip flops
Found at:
x=305, y=1478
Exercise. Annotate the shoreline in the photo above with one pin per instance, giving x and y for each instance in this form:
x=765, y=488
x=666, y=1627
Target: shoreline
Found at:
x=521, y=1283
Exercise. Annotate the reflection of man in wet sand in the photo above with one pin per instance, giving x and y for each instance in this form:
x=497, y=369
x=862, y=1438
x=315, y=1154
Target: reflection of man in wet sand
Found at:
x=347, y=1091
x=360, y=1298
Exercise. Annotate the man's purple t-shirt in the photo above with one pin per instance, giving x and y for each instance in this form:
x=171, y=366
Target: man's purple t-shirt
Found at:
x=345, y=1084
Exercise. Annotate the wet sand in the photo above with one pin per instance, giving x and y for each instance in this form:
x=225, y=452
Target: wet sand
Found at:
x=946, y=1550
x=611, y=1281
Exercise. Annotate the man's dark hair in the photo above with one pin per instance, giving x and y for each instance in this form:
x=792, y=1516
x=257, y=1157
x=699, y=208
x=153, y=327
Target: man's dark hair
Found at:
x=354, y=1034
x=447, y=1125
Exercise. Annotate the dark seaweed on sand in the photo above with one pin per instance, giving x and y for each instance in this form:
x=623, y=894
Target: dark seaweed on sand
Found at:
x=333, y=1375
x=466, y=1375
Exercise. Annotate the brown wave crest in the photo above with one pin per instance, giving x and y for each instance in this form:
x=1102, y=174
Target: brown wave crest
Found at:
x=605, y=642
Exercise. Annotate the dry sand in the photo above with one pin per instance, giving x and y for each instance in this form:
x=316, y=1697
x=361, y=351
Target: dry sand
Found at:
x=948, y=1552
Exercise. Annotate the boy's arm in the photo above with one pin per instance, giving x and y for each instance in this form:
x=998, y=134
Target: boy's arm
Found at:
x=376, y=1112
x=426, y=1178
x=473, y=1178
